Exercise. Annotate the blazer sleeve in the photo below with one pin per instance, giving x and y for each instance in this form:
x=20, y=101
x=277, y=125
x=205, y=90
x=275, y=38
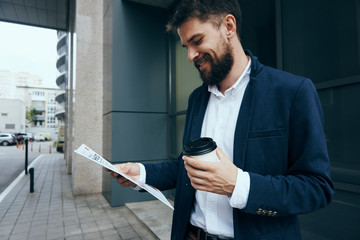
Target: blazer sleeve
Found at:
x=164, y=175
x=306, y=186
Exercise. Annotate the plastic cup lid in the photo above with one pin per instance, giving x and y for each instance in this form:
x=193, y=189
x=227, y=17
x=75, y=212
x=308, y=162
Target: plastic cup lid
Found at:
x=199, y=146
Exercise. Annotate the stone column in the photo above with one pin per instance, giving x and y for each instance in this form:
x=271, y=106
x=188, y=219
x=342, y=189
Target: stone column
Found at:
x=88, y=55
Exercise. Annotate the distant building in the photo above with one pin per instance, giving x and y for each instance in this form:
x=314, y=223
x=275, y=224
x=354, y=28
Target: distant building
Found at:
x=61, y=80
x=12, y=115
x=66, y=97
x=43, y=101
x=30, y=89
x=11, y=81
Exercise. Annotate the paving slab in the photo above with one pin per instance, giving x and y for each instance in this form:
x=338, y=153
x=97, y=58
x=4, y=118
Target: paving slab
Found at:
x=52, y=212
x=155, y=215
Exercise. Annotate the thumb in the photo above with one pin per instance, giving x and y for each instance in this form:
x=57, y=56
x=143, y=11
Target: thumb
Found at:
x=221, y=155
x=125, y=168
x=121, y=167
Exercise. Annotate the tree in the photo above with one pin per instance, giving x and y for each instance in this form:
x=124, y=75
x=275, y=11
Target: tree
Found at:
x=31, y=115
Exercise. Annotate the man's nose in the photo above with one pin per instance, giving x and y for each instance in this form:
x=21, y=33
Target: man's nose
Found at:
x=192, y=54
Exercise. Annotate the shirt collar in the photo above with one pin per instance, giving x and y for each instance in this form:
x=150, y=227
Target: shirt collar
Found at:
x=236, y=87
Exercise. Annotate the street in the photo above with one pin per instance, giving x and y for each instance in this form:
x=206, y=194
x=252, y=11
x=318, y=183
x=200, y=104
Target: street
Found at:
x=12, y=160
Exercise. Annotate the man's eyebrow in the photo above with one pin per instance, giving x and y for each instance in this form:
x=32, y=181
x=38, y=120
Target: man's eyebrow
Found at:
x=192, y=38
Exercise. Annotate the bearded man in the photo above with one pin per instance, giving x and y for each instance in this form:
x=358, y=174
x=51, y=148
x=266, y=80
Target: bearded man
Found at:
x=268, y=126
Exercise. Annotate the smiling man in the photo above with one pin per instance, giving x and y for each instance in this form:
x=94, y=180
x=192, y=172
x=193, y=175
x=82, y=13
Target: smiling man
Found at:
x=268, y=126
x=214, y=51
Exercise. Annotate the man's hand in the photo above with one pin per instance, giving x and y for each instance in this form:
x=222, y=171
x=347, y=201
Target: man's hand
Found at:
x=130, y=169
x=216, y=177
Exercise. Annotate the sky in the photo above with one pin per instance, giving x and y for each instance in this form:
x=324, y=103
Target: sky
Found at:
x=29, y=49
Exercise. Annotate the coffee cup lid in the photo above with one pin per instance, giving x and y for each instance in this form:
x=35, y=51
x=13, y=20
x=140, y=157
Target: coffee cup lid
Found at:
x=199, y=146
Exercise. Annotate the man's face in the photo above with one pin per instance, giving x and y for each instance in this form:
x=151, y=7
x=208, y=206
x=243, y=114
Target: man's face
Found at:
x=208, y=48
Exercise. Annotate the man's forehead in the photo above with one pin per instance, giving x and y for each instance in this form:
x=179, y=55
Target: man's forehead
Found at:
x=191, y=28
x=189, y=25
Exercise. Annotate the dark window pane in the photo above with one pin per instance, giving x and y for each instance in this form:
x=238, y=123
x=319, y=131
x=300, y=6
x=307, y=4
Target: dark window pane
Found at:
x=258, y=32
x=9, y=126
x=321, y=38
x=342, y=117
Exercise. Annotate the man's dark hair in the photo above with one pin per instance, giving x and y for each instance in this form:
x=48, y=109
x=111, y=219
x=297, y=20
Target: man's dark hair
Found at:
x=205, y=10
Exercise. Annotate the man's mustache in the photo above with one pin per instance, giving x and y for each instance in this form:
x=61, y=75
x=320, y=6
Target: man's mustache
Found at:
x=198, y=61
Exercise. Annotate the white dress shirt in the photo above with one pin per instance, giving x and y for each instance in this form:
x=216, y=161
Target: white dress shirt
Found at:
x=213, y=212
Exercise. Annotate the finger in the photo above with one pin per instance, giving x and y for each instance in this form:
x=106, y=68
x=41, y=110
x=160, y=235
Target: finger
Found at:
x=198, y=184
x=220, y=154
x=122, y=180
x=190, y=168
x=190, y=161
x=125, y=182
x=198, y=181
x=124, y=168
x=114, y=175
x=199, y=187
x=119, y=167
x=196, y=173
x=198, y=164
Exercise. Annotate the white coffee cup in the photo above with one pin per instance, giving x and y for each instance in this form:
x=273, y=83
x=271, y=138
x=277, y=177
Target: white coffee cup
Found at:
x=203, y=149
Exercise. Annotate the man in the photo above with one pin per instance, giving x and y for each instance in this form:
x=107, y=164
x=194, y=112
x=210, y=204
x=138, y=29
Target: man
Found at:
x=268, y=126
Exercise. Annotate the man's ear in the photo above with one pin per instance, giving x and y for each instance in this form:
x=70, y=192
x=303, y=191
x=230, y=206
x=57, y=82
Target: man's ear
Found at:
x=230, y=25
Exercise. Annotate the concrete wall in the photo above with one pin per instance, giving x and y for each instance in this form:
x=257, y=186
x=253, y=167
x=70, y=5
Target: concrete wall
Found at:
x=135, y=113
x=12, y=111
x=121, y=79
x=87, y=176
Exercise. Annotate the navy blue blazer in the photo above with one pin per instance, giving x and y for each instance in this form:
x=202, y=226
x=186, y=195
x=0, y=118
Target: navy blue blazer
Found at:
x=279, y=140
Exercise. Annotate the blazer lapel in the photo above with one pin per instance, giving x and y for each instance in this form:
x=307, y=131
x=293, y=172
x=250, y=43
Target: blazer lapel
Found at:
x=199, y=113
x=243, y=124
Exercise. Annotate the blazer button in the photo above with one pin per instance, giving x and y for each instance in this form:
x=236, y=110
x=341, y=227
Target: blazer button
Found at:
x=275, y=213
x=264, y=212
x=259, y=211
x=270, y=214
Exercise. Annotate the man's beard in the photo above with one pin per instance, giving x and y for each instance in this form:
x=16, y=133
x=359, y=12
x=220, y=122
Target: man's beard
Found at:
x=219, y=67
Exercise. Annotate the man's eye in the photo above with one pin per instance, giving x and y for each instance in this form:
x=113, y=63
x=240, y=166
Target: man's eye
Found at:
x=198, y=42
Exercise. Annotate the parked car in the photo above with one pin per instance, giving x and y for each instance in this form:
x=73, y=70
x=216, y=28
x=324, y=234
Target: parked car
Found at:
x=61, y=138
x=39, y=138
x=20, y=137
x=29, y=136
x=7, y=139
x=46, y=135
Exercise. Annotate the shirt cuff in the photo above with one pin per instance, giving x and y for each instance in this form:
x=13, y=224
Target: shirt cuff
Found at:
x=142, y=177
x=240, y=194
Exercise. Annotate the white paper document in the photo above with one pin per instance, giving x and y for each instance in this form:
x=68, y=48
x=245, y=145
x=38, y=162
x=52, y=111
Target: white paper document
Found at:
x=85, y=151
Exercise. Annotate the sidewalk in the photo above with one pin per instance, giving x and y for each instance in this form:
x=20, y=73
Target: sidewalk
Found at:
x=52, y=212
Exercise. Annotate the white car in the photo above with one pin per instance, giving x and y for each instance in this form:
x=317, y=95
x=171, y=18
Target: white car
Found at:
x=39, y=138
x=7, y=139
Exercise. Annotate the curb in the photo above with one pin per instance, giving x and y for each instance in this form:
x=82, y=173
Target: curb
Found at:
x=13, y=184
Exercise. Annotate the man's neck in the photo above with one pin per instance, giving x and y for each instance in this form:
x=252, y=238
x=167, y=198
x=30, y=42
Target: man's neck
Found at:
x=240, y=62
